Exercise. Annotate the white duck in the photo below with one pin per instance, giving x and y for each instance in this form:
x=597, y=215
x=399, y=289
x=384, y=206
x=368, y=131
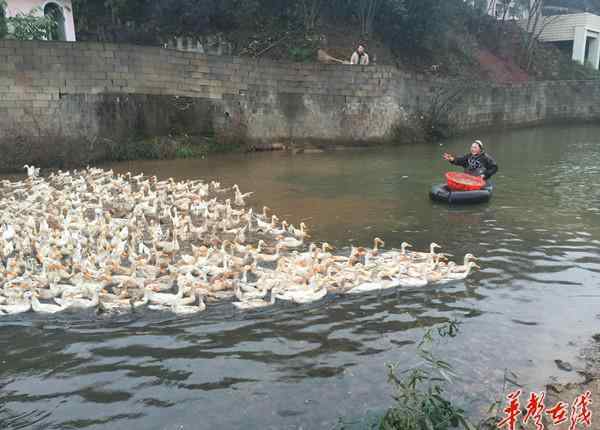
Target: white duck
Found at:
x=263, y=225
x=377, y=242
x=142, y=302
x=268, y=258
x=180, y=308
x=79, y=302
x=316, y=293
x=302, y=293
x=247, y=302
x=452, y=275
x=8, y=232
x=32, y=171
x=408, y=281
x=371, y=286
x=45, y=308
x=415, y=255
x=280, y=231
x=399, y=256
x=18, y=307
x=165, y=299
x=299, y=233
x=239, y=197
x=468, y=258
x=289, y=242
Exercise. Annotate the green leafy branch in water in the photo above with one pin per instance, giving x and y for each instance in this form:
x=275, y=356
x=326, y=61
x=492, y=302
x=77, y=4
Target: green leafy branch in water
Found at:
x=419, y=392
x=495, y=409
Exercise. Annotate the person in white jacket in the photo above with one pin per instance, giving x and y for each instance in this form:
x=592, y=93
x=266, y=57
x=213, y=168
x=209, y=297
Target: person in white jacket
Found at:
x=360, y=56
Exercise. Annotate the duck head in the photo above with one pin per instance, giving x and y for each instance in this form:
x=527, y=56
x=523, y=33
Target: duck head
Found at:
x=327, y=247
x=405, y=245
x=433, y=247
x=469, y=257
x=377, y=242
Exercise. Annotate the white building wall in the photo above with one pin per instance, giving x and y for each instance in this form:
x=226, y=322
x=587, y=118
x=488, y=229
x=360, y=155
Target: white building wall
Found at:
x=581, y=28
x=25, y=6
x=562, y=27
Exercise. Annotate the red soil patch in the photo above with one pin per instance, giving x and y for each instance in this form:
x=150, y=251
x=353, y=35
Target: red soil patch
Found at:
x=500, y=70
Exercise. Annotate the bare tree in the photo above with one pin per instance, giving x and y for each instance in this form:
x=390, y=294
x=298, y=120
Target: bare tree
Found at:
x=529, y=13
x=439, y=118
x=311, y=11
x=535, y=25
x=485, y=8
x=509, y=9
x=367, y=11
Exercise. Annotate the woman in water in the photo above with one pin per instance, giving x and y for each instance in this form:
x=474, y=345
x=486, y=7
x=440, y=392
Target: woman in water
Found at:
x=477, y=163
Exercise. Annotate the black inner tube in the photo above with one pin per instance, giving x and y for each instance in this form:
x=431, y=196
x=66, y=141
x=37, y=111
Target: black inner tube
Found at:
x=442, y=193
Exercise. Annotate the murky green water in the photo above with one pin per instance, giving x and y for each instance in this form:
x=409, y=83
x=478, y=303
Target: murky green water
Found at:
x=289, y=367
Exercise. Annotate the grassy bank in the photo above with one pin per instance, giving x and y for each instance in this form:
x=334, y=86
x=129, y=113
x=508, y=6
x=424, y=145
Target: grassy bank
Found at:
x=170, y=147
x=60, y=152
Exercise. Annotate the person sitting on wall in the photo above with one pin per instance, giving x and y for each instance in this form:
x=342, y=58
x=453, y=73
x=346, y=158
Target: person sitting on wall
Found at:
x=360, y=56
x=476, y=163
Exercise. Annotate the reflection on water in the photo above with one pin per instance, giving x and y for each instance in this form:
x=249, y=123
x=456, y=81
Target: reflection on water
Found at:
x=291, y=366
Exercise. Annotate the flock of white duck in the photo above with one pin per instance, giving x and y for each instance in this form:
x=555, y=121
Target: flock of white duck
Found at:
x=91, y=239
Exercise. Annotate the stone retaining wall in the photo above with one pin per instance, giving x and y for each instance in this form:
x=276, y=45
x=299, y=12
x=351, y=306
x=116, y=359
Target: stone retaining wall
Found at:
x=92, y=90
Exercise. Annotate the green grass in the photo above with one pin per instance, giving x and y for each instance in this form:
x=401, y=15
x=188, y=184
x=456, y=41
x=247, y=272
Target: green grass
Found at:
x=164, y=148
x=187, y=151
x=135, y=149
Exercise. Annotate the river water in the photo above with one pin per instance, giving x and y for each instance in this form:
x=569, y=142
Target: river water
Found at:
x=536, y=299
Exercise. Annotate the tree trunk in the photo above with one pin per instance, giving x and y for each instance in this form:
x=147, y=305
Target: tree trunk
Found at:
x=367, y=10
x=533, y=30
x=311, y=10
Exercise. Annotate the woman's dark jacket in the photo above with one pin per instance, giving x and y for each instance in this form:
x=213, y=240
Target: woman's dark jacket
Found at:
x=478, y=165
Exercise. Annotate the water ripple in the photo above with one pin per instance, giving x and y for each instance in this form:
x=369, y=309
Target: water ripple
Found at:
x=538, y=242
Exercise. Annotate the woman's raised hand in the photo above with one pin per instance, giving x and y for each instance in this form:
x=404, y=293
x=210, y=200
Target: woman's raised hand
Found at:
x=448, y=157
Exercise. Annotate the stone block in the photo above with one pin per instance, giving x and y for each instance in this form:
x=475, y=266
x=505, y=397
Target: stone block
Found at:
x=175, y=60
x=42, y=104
x=16, y=112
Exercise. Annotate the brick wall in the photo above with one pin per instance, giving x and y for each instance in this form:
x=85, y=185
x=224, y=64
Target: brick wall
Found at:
x=528, y=104
x=41, y=81
x=91, y=89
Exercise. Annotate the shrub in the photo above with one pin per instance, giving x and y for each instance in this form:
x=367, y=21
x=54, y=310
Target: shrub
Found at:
x=3, y=27
x=419, y=395
x=186, y=151
x=31, y=26
x=148, y=149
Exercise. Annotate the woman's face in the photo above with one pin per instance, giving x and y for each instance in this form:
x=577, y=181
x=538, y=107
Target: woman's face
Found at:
x=475, y=149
